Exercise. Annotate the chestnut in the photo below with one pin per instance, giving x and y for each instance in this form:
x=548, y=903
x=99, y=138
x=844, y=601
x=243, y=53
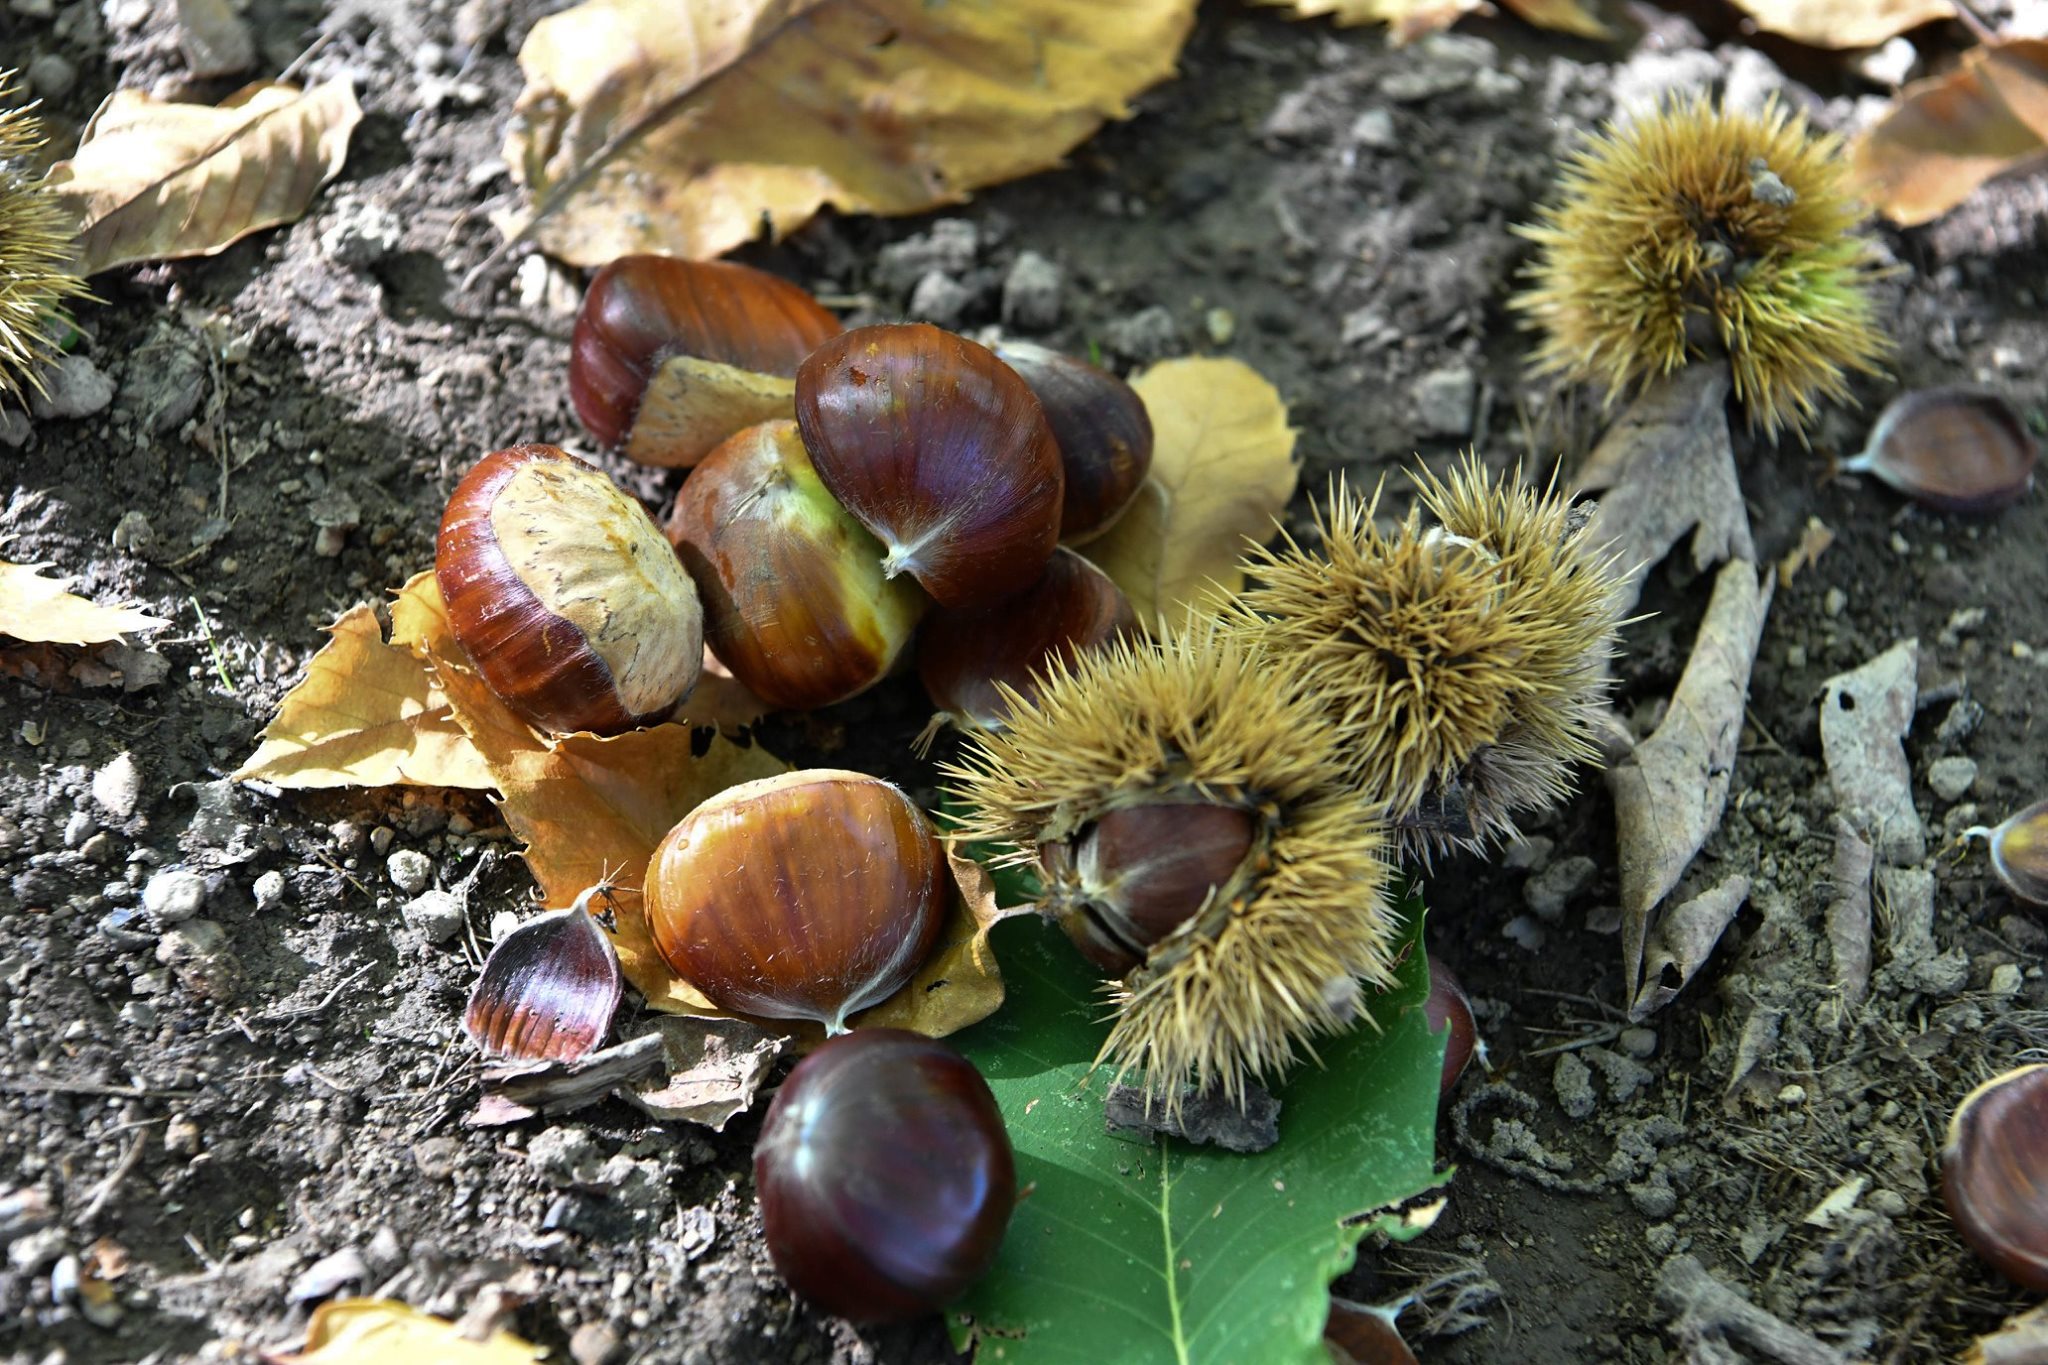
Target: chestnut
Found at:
x=1449, y=1007
x=941, y=451
x=670, y=357
x=808, y=895
x=794, y=599
x=1102, y=429
x=962, y=655
x=566, y=597
x=885, y=1176
x=1994, y=1174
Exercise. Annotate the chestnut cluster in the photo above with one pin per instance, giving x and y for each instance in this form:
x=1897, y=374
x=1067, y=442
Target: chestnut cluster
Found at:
x=844, y=487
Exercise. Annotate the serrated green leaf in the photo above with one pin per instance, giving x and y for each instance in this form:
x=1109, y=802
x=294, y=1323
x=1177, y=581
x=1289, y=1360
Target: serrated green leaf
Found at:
x=1134, y=1252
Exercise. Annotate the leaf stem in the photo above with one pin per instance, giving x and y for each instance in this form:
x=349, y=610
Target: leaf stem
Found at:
x=1180, y=1343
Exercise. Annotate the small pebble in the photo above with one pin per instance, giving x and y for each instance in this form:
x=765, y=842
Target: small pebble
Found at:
x=269, y=890
x=2006, y=979
x=1221, y=325
x=118, y=786
x=1573, y=1081
x=381, y=839
x=939, y=299
x=409, y=870
x=1834, y=601
x=1375, y=129
x=1962, y=720
x=1952, y=777
x=437, y=915
x=1525, y=933
x=1792, y=1094
x=72, y=387
x=1445, y=400
x=1031, y=293
x=79, y=827
x=1147, y=335
x=174, y=895
x=51, y=77
x=1638, y=1042
x=1530, y=853
x=1548, y=892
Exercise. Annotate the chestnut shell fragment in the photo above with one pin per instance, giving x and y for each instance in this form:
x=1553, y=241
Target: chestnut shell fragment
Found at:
x=1953, y=449
x=886, y=1177
x=548, y=990
x=941, y=451
x=1994, y=1174
x=810, y=895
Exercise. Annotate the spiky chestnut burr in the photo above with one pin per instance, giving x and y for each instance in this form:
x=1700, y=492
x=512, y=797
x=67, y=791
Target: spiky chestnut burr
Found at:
x=1197, y=838
x=36, y=246
x=1695, y=230
x=1461, y=663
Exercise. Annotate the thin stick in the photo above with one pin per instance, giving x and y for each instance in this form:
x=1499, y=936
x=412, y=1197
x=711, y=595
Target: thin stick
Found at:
x=114, y=1178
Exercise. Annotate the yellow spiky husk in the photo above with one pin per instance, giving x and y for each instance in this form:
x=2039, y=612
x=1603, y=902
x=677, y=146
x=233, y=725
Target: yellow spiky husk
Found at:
x=1672, y=235
x=1239, y=990
x=36, y=242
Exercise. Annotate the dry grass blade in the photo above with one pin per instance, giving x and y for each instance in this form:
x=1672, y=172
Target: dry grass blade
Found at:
x=154, y=180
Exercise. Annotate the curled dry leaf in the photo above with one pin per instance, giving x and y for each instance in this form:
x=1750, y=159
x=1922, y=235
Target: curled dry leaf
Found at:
x=1844, y=23
x=367, y=714
x=1222, y=469
x=1864, y=716
x=1683, y=941
x=647, y=126
x=154, y=179
x=1945, y=136
x=1409, y=19
x=38, y=610
x=1670, y=791
x=387, y=1332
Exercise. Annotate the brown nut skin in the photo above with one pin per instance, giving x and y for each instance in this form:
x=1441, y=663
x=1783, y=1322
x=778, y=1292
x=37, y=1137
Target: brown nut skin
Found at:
x=1994, y=1174
x=794, y=599
x=1139, y=872
x=642, y=311
x=569, y=601
x=885, y=1175
x=963, y=654
x=1449, y=1006
x=809, y=895
x=1102, y=429
x=941, y=451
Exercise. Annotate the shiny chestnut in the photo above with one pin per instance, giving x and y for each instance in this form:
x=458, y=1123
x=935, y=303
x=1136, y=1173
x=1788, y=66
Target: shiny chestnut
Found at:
x=809, y=895
x=1102, y=429
x=963, y=655
x=941, y=451
x=1994, y=1174
x=1137, y=873
x=670, y=357
x=795, y=603
x=567, y=598
x=885, y=1175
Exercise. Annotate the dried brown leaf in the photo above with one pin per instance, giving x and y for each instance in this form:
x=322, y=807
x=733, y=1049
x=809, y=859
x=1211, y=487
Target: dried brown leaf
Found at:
x=367, y=714
x=153, y=179
x=686, y=129
x=1666, y=467
x=1669, y=793
x=1684, y=940
x=387, y=1332
x=1945, y=136
x=1222, y=469
x=1864, y=716
x=1844, y=23
x=38, y=610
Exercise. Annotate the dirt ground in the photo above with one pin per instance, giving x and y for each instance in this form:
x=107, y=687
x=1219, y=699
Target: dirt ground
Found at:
x=261, y=1105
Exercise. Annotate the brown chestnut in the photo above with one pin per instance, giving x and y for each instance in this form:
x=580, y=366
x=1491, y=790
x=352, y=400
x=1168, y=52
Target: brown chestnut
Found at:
x=1102, y=429
x=670, y=357
x=1139, y=872
x=548, y=990
x=1449, y=1007
x=794, y=599
x=885, y=1176
x=809, y=895
x=963, y=654
x=1994, y=1174
x=566, y=596
x=941, y=451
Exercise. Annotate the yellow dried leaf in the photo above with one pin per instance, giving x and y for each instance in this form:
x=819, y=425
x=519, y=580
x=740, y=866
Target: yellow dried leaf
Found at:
x=651, y=126
x=153, y=179
x=1561, y=16
x=1222, y=469
x=1844, y=23
x=367, y=714
x=387, y=1332
x=1945, y=136
x=38, y=610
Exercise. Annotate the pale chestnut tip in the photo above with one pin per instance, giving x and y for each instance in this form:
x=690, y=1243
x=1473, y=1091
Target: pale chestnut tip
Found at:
x=564, y=594
x=2019, y=851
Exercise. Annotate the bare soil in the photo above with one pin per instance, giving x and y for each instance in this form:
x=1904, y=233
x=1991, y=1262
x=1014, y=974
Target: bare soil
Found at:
x=1349, y=207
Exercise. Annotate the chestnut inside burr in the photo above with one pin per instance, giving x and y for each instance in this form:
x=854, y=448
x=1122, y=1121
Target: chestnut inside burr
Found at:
x=1138, y=873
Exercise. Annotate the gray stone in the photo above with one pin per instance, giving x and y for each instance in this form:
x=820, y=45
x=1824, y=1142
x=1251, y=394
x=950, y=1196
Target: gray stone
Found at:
x=1548, y=892
x=1145, y=336
x=939, y=299
x=1573, y=1081
x=72, y=387
x=1638, y=1042
x=1952, y=777
x=269, y=890
x=1530, y=853
x=1751, y=82
x=79, y=827
x=197, y=951
x=565, y=1157
x=1444, y=400
x=1375, y=129
x=437, y=915
x=409, y=870
x=174, y=895
x=950, y=245
x=360, y=233
x=1031, y=293
x=51, y=77
x=118, y=786
x=1647, y=79
x=14, y=427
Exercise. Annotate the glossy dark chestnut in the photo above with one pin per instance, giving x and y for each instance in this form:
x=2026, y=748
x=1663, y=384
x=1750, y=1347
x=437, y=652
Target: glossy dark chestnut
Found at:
x=794, y=599
x=963, y=654
x=810, y=895
x=1994, y=1174
x=1139, y=872
x=1103, y=431
x=1449, y=1006
x=643, y=312
x=563, y=591
x=941, y=451
x=885, y=1175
